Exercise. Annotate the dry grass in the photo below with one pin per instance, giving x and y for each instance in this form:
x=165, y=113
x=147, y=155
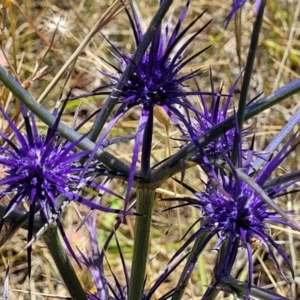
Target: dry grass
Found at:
x=38, y=38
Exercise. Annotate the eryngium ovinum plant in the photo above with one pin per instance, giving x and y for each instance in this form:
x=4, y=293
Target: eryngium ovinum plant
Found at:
x=235, y=196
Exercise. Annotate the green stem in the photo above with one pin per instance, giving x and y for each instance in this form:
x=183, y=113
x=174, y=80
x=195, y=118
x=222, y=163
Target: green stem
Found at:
x=63, y=264
x=239, y=288
x=282, y=179
x=199, y=245
x=247, y=75
x=189, y=266
x=17, y=219
x=203, y=273
x=145, y=199
x=227, y=253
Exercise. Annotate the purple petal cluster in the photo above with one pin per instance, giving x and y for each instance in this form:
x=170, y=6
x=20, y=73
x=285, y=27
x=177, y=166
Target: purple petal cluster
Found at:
x=241, y=217
x=156, y=81
x=39, y=168
x=215, y=109
x=238, y=215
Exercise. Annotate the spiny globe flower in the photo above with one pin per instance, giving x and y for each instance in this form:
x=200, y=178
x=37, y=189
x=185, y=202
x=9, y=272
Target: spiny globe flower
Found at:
x=39, y=168
x=237, y=213
x=157, y=80
x=215, y=108
x=237, y=4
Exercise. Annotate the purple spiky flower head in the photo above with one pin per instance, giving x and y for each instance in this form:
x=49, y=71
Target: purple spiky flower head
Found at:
x=237, y=4
x=238, y=212
x=40, y=168
x=157, y=80
x=215, y=108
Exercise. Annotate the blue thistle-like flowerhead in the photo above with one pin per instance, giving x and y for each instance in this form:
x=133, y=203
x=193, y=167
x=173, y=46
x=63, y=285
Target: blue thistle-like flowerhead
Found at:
x=156, y=81
x=241, y=217
x=157, y=78
x=215, y=109
x=237, y=4
x=40, y=168
x=238, y=213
